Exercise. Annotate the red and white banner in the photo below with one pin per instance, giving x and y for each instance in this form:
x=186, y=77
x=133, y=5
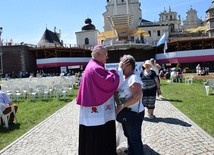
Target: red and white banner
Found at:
x=58, y=62
x=186, y=56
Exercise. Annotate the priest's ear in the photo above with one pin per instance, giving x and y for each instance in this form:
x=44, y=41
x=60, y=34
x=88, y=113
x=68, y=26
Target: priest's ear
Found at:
x=95, y=54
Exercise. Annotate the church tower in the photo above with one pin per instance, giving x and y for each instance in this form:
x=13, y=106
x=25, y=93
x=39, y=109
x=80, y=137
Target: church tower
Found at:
x=122, y=16
x=192, y=20
x=88, y=36
x=171, y=19
x=210, y=20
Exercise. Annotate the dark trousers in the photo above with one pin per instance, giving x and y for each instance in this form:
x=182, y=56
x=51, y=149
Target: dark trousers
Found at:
x=97, y=140
x=133, y=133
x=8, y=110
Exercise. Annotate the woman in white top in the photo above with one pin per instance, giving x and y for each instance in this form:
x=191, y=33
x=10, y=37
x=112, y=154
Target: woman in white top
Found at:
x=129, y=96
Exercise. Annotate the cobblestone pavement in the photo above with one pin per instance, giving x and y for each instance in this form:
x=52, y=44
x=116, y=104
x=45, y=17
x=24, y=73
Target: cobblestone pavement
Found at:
x=170, y=133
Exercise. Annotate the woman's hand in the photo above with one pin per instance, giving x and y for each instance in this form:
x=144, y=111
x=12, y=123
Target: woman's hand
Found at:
x=123, y=63
x=158, y=91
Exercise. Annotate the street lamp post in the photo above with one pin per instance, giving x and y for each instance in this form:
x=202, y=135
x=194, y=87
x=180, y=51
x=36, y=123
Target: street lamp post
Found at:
x=1, y=52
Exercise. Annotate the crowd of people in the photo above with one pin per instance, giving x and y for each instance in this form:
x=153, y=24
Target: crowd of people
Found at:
x=202, y=70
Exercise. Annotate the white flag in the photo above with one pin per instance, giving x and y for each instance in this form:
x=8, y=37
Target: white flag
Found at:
x=162, y=40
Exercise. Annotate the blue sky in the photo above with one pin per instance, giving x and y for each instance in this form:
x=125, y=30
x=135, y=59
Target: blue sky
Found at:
x=26, y=20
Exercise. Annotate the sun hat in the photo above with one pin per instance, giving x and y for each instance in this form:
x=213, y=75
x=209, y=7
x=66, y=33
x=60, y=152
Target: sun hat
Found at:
x=147, y=62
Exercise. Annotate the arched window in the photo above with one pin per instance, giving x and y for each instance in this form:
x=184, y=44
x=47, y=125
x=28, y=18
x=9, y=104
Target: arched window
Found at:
x=158, y=33
x=86, y=41
x=172, y=27
x=150, y=33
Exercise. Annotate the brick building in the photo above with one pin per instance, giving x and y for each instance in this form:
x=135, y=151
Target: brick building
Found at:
x=18, y=59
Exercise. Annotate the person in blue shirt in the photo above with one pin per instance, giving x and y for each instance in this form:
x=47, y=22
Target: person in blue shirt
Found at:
x=5, y=100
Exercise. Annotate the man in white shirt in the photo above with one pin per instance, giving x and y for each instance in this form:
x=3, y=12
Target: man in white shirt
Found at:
x=155, y=67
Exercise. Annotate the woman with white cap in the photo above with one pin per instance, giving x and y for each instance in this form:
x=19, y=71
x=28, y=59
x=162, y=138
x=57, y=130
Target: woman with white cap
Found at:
x=150, y=87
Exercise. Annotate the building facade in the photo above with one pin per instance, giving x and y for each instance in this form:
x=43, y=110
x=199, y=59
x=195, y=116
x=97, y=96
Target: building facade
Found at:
x=122, y=8
x=192, y=20
x=127, y=32
x=210, y=20
x=88, y=35
x=171, y=19
x=17, y=60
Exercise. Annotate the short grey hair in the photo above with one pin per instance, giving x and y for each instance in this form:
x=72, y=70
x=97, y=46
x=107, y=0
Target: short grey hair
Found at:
x=130, y=59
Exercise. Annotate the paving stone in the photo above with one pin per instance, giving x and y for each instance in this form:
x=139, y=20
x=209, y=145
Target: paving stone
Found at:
x=170, y=133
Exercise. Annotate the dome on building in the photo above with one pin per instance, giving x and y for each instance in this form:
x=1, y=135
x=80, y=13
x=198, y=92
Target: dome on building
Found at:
x=88, y=25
